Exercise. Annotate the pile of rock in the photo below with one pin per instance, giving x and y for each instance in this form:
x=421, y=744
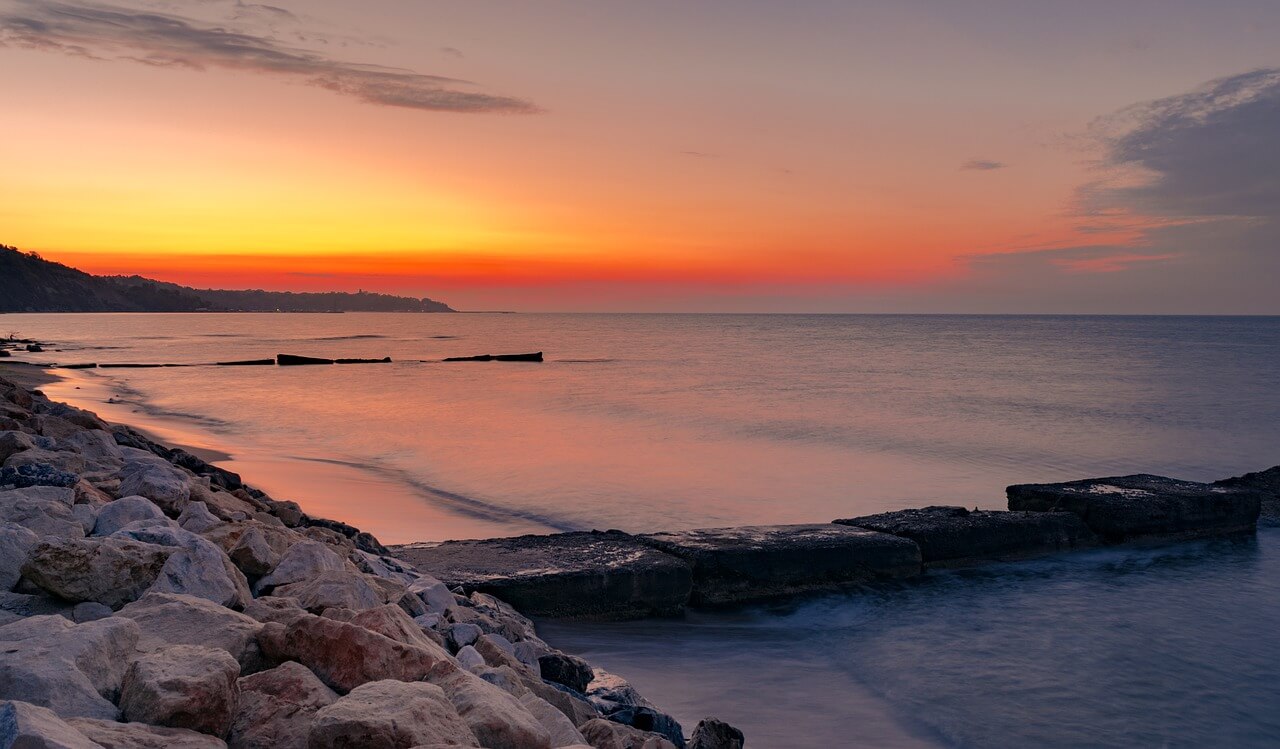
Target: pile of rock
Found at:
x=149, y=599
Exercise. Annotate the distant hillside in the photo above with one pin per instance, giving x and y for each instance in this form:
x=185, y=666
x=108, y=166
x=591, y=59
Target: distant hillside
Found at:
x=29, y=283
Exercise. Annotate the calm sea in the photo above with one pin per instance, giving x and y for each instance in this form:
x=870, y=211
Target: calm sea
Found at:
x=657, y=422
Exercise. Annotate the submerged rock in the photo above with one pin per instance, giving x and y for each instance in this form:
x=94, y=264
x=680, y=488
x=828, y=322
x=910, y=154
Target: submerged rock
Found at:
x=955, y=536
x=1124, y=508
x=756, y=562
x=714, y=734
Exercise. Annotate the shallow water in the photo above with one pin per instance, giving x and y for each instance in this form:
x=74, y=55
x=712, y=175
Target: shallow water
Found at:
x=648, y=422
x=1169, y=647
x=644, y=422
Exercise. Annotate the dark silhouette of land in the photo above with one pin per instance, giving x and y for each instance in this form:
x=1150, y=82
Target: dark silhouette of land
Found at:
x=29, y=283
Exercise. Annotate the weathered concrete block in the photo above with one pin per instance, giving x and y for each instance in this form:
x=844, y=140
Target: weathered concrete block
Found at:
x=955, y=536
x=1122, y=508
x=1266, y=484
x=757, y=562
x=569, y=575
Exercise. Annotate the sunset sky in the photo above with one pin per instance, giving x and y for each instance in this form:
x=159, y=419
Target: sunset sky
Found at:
x=913, y=155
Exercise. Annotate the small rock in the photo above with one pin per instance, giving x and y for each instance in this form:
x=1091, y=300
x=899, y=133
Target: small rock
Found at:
x=714, y=734
x=182, y=686
x=568, y=670
x=276, y=708
x=27, y=726
x=463, y=634
x=470, y=658
x=389, y=715
x=252, y=554
x=195, y=517
x=89, y=611
x=433, y=593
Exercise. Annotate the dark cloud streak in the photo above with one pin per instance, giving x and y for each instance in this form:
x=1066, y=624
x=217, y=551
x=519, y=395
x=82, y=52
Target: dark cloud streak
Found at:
x=112, y=32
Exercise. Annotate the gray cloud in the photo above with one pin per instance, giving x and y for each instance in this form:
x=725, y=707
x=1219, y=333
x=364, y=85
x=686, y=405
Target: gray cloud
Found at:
x=453, y=52
x=1194, y=179
x=982, y=165
x=118, y=33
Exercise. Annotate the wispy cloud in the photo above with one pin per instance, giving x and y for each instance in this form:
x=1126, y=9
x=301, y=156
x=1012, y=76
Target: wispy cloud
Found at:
x=119, y=33
x=982, y=165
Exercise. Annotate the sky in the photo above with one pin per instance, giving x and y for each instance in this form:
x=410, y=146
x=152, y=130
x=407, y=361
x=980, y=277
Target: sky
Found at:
x=811, y=156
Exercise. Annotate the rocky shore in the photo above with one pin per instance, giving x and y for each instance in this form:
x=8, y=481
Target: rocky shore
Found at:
x=150, y=599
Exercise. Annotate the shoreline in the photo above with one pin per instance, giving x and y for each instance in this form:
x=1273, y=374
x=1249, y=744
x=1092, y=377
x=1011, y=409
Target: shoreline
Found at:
x=302, y=579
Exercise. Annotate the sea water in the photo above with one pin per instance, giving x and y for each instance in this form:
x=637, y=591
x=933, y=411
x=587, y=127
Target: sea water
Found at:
x=664, y=422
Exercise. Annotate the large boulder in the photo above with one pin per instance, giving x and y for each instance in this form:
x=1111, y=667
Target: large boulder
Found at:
x=605, y=734
x=182, y=686
x=44, y=510
x=390, y=715
x=956, y=536
x=757, y=562
x=387, y=620
x=197, y=567
x=27, y=726
x=111, y=571
x=73, y=669
x=14, y=442
x=1123, y=508
x=195, y=517
x=496, y=718
x=158, y=481
x=115, y=515
x=333, y=589
x=112, y=735
x=277, y=707
x=173, y=619
x=715, y=734
x=253, y=554
x=346, y=655
x=561, y=730
x=301, y=562
x=564, y=575
x=15, y=543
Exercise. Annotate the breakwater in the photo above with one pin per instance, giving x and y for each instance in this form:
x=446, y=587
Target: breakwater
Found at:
x=615, y=575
